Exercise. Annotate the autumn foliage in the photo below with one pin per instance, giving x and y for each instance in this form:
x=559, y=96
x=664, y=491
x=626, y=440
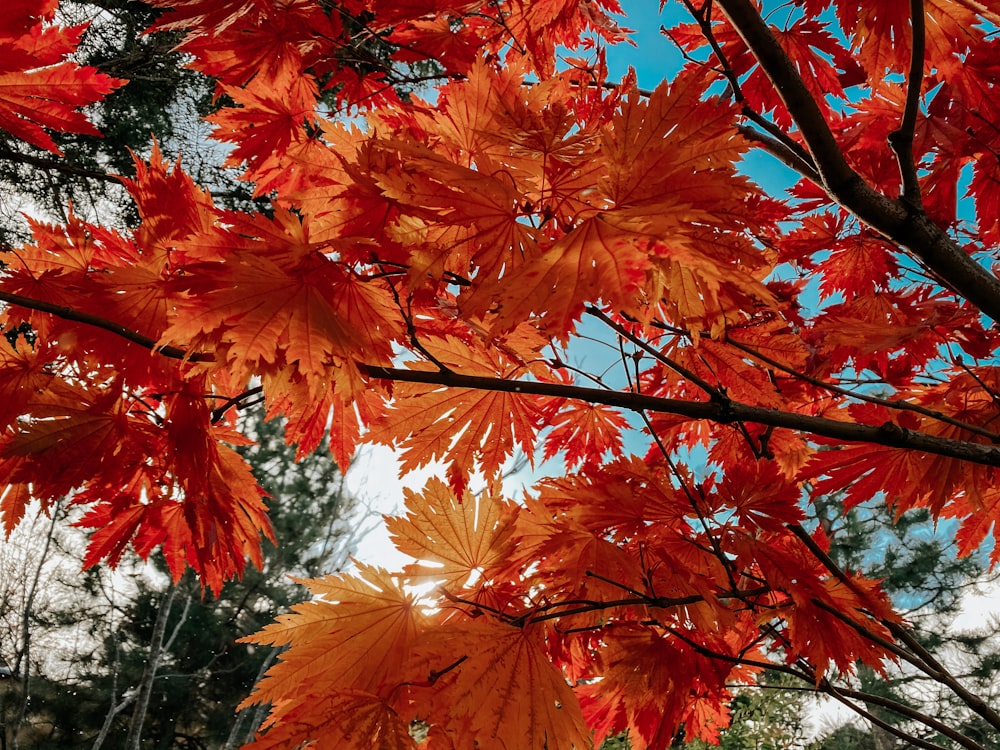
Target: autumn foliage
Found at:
x=424, y=277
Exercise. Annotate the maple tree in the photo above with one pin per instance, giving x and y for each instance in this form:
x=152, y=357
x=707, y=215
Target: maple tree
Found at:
x=424, y=277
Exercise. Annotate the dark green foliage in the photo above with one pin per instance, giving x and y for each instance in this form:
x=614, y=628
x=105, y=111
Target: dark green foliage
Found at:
x=162, y=98
x=203, y=672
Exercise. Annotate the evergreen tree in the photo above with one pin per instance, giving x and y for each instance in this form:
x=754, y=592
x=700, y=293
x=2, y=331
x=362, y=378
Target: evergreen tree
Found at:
x=918, y=566
x=202, y=672
x=162, y=98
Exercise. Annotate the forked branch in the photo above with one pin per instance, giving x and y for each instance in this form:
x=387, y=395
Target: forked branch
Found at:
x=901, y=140
x=900, y=221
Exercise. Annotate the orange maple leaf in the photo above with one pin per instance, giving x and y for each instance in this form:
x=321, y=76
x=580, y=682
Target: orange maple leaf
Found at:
x=357, y=634
x=453, y=538
x=465, y=428
x=597, y=261
x=505, y=692
x=585, y=433
x=284, y=303
x=645, y=673
x=344, y=719
x=272, y=116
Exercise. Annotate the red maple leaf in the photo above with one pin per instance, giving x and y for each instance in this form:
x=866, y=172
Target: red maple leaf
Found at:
x=39, y=89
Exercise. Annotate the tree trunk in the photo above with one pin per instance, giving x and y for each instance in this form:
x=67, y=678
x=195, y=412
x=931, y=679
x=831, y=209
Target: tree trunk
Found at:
x=149, y=674
x=242, y=733
x=22, y=666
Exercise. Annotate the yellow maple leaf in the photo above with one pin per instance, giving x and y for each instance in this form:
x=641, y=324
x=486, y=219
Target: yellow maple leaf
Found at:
x=357, y=635
x=453, y=537
x=506, y=693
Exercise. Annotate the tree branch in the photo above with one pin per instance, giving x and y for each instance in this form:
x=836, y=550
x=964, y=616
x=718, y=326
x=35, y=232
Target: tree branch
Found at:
x=903, y=710
x=57, y=165
x=897, y=404
x=68, y=313
x=712, y=391
x=897, y=220
x=775, y=134
x=723, y=412
x=720, y=410
x=805, y=111
x=839, y=694
x=901, y=141
x=781, y=152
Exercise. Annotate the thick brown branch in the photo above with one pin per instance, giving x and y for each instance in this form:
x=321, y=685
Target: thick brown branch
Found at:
x=781, y=71
x=723, y=412
x=901, y=141
x=897, y=220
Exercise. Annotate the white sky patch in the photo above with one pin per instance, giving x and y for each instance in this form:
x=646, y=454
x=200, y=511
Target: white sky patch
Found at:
x=375, y=479
x=980, y=610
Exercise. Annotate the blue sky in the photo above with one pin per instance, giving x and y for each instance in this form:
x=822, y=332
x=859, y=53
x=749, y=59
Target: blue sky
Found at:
x=655, y=57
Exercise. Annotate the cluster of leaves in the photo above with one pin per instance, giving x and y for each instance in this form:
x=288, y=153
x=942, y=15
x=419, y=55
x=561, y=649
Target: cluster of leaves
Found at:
x=92, y=635
x=476, y=232
x=40, y=89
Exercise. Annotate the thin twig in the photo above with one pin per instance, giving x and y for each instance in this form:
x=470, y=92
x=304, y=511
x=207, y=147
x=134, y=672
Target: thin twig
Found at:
x=238, y=401
x=710, y=389
x=780, y=151
x=68, y=313
x=801, y=159
x=896, y=404
x=824, y=686
x=920, y=657
x=911, y=713
x=836, y=694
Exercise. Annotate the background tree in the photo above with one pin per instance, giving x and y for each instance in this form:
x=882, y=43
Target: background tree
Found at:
x=916, y=565
x=98, y=637
x=91, y=635
x=161, y=97
x=422, y=279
